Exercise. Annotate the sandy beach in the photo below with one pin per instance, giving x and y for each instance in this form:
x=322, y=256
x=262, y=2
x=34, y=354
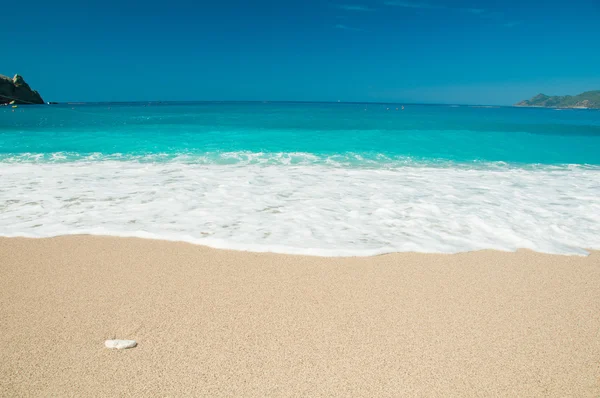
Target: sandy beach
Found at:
x=223, y=323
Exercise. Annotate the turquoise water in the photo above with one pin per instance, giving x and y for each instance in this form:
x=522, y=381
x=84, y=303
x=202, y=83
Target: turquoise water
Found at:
x=321, y=179
x=426, y=133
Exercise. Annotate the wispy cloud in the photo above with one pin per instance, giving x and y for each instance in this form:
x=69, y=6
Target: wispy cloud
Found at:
x=500, y=18
x=346, y=27
x=496, y=16
x=353, y=7
x=511, y=24
x=429, y=6
x=476, y=11
x=412, y=4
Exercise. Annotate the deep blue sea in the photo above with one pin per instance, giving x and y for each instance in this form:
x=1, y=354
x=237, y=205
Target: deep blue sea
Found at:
x=309, y=178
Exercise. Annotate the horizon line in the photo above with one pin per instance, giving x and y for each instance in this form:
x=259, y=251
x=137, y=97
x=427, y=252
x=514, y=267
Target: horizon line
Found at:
x=269, y=101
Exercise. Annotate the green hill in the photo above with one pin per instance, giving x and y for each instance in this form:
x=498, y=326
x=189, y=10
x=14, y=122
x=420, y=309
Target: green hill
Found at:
x=589, y=99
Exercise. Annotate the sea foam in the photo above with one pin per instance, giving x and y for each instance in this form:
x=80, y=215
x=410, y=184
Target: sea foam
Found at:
x=315, y=209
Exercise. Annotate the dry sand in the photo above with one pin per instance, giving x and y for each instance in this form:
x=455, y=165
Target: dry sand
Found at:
x=222, y=323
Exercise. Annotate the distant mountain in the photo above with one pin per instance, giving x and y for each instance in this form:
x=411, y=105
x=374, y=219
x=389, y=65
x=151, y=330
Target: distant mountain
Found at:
x=589, y=99
x=17, y=90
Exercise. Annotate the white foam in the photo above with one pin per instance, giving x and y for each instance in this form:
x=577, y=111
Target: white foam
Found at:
x=308, y=209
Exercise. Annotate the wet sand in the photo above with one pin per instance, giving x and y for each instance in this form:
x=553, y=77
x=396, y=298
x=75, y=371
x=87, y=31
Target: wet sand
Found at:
x=223, y=323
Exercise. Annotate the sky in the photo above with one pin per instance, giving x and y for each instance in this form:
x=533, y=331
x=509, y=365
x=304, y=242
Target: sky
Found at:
x=408, y=51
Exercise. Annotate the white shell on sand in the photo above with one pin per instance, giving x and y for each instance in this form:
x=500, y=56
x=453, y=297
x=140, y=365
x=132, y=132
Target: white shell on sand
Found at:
x=120, y=344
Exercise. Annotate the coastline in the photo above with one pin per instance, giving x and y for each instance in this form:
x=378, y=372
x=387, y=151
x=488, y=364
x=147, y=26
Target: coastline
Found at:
x=220, y=322
x=554, y=107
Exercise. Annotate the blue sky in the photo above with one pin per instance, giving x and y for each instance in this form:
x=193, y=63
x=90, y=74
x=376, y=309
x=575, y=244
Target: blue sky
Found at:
x=438, y=51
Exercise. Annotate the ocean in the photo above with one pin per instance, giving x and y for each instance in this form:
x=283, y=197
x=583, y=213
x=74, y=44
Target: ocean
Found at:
x=330, y=179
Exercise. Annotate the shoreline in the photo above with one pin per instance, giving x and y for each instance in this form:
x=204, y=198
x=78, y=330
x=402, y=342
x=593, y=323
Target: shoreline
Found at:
x=297, y=252
x=219, y=322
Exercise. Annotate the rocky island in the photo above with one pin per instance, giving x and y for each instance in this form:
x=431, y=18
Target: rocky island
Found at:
x=17, y=90
x=589, y=99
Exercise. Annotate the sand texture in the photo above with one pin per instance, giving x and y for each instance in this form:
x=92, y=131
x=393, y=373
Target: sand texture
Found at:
x=222, y=323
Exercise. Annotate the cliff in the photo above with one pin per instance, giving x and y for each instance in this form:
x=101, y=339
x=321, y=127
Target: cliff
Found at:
x=589, y=99
x=16, y=89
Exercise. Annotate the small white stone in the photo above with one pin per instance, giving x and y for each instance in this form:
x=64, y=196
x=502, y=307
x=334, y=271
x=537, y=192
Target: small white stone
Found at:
x=120, y=344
